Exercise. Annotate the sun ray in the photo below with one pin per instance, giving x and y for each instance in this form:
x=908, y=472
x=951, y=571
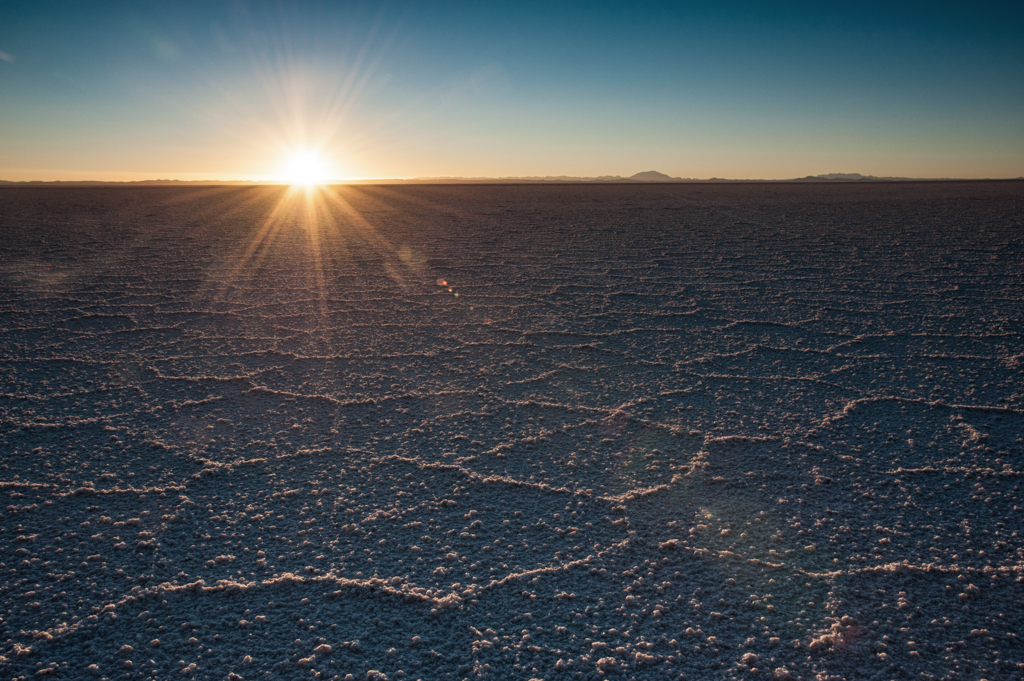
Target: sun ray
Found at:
x=260, y=245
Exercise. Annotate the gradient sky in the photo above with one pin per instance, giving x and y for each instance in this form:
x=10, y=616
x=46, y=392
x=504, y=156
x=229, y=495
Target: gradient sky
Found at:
x=229, y=90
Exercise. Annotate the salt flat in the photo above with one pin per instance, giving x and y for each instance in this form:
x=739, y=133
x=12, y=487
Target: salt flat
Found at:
x=513, y=432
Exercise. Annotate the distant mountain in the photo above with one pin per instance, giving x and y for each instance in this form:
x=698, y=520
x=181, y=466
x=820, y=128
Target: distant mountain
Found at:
x=654, y=176
x=851, y=177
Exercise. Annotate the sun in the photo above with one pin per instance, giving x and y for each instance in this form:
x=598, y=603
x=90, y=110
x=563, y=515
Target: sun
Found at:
x=306, y=168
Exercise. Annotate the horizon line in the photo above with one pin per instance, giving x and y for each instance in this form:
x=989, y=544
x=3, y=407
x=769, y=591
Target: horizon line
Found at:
x=638, y=178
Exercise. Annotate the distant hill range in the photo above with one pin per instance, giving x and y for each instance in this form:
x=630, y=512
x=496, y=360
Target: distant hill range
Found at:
x=852, y=177
x=645, y=177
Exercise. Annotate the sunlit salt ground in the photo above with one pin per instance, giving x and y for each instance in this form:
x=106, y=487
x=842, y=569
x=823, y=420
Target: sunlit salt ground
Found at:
x=701, y=432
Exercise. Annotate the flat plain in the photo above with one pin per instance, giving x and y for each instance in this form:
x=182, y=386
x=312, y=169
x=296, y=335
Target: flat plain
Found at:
x=513, y=432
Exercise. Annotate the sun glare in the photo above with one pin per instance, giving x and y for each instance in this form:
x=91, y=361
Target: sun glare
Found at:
x=307, y=169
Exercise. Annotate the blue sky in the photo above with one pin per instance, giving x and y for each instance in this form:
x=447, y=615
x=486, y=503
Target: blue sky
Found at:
x=136, y=90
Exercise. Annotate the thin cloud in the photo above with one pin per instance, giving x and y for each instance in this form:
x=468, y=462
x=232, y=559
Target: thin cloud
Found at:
x=7, y=57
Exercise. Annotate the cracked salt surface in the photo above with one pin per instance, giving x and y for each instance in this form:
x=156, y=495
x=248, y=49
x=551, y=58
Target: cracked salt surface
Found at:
x=690, y=431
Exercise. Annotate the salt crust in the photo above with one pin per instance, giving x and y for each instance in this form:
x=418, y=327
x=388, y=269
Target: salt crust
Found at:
x=661, y=432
